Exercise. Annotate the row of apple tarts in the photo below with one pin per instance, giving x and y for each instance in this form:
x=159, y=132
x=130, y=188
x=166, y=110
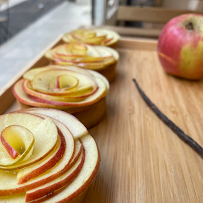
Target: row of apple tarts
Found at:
x=77, y=80
x=47, y=155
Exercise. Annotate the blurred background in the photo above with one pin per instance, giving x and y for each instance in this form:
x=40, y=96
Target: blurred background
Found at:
x=29, y=27
x=16, y=15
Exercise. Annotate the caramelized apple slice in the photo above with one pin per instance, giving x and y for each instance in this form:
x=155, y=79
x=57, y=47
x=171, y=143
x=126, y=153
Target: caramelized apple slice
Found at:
x=18, y=141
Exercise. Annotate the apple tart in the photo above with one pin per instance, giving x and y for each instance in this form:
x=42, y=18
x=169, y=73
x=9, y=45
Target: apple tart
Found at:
x=56, y=161
x=74, y=90
x=98, y=58
x=94, y=37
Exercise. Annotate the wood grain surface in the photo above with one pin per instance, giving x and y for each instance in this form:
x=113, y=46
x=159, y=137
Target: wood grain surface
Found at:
x=142, y=160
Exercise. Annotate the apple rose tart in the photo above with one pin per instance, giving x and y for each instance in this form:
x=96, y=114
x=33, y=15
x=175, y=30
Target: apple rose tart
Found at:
x=74, y=90
x=93, y=37
x=98, y=58
x=46, y=155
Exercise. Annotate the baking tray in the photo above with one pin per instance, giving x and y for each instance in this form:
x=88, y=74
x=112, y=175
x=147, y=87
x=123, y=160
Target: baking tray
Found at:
x=142, y=160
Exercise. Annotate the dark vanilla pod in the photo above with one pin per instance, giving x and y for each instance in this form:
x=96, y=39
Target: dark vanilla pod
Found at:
x=187, y=139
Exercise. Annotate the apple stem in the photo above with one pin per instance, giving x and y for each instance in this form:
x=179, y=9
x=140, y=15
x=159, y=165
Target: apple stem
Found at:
x=189, y=26
x=187, y=139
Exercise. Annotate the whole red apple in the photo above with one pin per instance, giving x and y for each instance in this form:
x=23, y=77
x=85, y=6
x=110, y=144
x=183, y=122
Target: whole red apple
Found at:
x=180, y=46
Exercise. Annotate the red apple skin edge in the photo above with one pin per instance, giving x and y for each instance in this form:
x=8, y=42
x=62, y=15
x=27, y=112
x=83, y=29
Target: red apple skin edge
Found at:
x=179, y=49
x=50, y=164
x=12, y=152
x=76, y=193
x=48, y=192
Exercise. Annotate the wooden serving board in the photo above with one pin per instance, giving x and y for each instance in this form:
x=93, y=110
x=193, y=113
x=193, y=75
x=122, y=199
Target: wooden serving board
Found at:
x=142, y=160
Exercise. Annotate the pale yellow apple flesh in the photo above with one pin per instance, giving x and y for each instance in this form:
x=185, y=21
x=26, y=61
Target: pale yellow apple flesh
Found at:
x=41, y=82
x=108, y=37
x=64, y=180
x=33, y=72
x=86, y=175
x=34, y=170
x=24, y=98
x=73, y=124
x=42, y=130
x=12, y=185
x=72, y=174
x=15, y=139
x=63, y=82
x=79, y=184
x=28, y=89
x=87, y=36
x=96, y=58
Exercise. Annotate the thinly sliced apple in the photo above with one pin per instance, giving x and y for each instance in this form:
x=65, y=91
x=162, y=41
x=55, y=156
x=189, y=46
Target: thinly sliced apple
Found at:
x=58, y=178
x=80, y=35
x=42, y=81
x=63, y=82
x=89, y=34
x=27, y=88
x=107, y=41
x=94, y=54
x=95, y=74
x=78, y=60
x=83, y=179
x=109, y=34
x=20, y=198
x=86, y=60
x=101, y=92
x=42, y=129
x=33, y=72
x=45, y=164
x=74, y=125
x=13, y=198
x=77, y=49
x=96, y=58
x=86, y=175
x=71, y=50
x=9, y=184
x=64, y=180
x=67, y=149
x=11, y=151
x=111, y=37
x=17, y=139
x=22, y=97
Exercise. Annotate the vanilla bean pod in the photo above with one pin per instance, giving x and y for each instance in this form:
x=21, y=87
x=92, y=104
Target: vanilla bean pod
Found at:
x=187, y=139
